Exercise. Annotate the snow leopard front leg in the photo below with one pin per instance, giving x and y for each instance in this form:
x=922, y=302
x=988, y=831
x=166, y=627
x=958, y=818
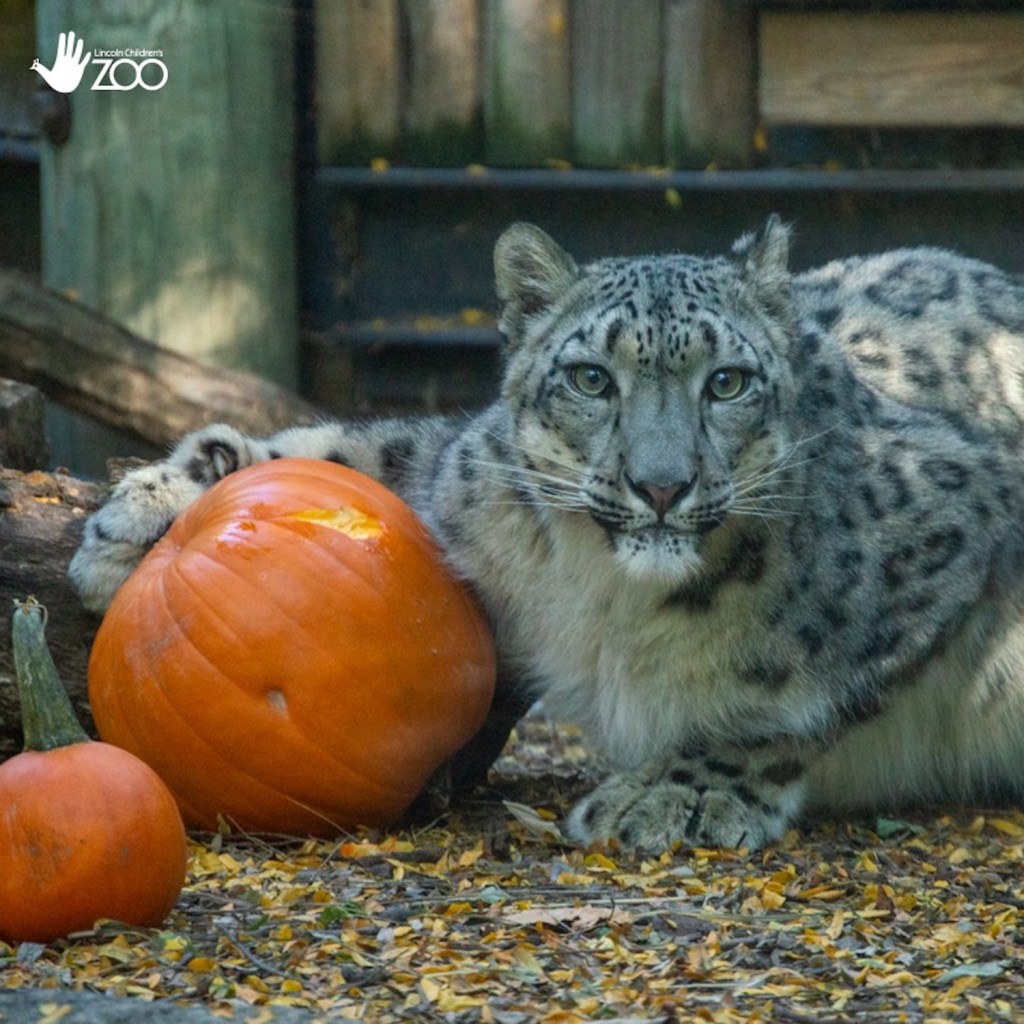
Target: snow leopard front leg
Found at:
x=733, y=798
x=144, y=503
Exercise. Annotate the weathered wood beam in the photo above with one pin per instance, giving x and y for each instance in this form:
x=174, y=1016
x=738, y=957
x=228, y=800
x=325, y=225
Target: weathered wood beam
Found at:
x=357, y=80
x=617, y=83
x=941, y=69
x=710, y=82
x=527, y=86
x=88, y=363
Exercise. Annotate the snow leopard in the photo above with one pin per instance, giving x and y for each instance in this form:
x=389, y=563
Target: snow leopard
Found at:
x=758, y=532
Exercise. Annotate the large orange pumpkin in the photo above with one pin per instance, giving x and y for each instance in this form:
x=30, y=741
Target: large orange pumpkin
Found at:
x=293, y=655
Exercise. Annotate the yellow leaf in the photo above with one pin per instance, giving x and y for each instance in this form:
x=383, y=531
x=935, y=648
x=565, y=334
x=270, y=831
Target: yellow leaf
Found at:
x=472, y=317
x=470, y=857
x=50, y=1013
x=1008, y=828
x=824, y=893
x=961, y=985
x=454, y=1002
x=431, y=989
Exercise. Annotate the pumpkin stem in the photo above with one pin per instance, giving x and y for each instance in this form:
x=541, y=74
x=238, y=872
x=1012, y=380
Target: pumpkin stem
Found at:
x=47, y=718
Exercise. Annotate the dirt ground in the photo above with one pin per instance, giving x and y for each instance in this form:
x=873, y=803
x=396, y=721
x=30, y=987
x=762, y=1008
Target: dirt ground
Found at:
x=486, y=914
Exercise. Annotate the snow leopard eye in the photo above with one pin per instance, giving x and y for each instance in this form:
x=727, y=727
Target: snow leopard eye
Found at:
x=727, y=383
x=590, y=380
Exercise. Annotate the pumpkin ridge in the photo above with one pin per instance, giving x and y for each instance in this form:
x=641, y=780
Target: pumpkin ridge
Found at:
x=204, y=656
x=298, y=623
x=212, y=750
x=224, y=769
x=338, y=767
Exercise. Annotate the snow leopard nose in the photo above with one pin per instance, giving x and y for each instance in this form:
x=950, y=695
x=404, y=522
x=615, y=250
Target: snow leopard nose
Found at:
x=661, y=497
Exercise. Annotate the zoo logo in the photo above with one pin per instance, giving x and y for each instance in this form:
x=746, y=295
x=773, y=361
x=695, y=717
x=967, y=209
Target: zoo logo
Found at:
x=69, y=67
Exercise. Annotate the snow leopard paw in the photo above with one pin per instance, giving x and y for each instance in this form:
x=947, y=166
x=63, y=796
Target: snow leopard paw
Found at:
x=144, y=503
x=687, y=803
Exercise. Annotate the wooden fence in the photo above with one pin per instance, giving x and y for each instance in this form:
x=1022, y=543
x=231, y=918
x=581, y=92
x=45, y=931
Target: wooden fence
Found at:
x=598, y=83
x=626, y=83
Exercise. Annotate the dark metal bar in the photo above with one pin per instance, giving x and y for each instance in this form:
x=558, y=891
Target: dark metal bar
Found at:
x=772, y=180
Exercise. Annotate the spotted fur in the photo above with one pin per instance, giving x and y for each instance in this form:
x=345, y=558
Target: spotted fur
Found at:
x=759, y=534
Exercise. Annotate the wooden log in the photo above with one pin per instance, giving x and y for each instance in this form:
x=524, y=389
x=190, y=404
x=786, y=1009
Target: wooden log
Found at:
x=171, y=209
x=41, y=520
x=527, y=107
x=710, y=82
x=86, y=362
x=441, y=109
x=358, y=75
x=892, y=69
x=22, y=430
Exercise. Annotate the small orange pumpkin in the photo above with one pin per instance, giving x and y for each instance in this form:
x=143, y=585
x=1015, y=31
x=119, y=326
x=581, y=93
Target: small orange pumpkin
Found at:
x=87, y=831
x=293, y=655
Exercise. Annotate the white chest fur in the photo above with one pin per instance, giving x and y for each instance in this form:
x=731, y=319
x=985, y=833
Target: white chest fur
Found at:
x=613, y=654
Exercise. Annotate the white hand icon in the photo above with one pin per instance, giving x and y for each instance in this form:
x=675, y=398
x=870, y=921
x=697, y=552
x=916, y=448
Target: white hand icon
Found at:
x=69, y=66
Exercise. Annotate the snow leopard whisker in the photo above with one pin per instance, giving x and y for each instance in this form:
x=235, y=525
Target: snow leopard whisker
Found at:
x=514, y=476
x=752, y=483
x=758, y=511
x=533, y=487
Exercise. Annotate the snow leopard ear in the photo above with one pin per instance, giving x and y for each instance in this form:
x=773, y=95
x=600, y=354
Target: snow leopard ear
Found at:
x=531, y=270
x=764, y=257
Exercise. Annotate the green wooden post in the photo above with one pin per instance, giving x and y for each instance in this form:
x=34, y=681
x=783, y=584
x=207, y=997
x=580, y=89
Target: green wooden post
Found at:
x=171, y=209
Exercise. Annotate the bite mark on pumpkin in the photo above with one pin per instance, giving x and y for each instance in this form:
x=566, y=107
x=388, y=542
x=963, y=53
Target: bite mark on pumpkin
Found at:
x=350, y=521
x=277, y=700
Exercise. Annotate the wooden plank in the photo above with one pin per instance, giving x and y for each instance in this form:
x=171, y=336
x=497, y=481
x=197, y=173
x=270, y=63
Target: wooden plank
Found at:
x=171, y=209
x=527, y=113
x=617, y=83
x=358, y=77
x=892, y=69
x=710, y=82
x=441, y=105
